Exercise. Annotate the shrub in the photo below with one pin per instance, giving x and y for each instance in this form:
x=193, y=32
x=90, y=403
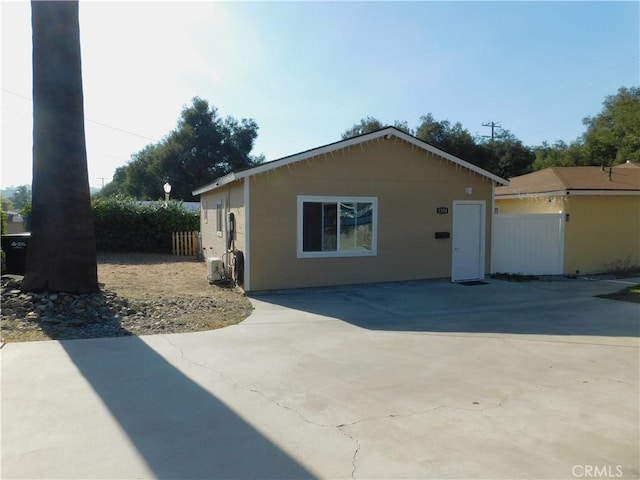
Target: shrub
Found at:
x=125, y=225
x=26, y=215
x=514, y=277
x=622, y=267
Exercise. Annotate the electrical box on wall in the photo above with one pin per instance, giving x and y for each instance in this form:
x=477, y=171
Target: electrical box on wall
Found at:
x=442, y=235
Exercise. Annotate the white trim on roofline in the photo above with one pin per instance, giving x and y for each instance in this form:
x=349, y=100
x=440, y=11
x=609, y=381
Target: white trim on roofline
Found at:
x=385, y=133
x=571, y=193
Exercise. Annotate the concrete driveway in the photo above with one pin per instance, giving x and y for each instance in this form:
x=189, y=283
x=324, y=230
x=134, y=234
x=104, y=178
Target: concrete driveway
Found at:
x=414, y=380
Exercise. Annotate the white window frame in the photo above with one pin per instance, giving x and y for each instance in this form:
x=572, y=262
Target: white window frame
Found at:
x=219, y=218
x=334, y=199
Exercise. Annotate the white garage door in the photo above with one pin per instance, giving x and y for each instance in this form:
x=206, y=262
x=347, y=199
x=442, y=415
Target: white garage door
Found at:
x=531, y=244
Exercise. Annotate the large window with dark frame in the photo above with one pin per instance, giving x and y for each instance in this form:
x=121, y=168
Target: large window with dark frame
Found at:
x=336, y=226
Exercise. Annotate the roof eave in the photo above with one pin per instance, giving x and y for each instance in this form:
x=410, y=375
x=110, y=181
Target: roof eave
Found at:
x=217, y=183
x=567, y=192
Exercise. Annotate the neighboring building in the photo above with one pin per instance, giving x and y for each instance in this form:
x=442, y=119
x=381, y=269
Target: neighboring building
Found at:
x=600, y=212
x=188, y=206
x=15, y=222
x=379, y=207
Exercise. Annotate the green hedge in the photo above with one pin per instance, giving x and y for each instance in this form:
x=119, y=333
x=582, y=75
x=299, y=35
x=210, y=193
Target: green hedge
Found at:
x=124, y=225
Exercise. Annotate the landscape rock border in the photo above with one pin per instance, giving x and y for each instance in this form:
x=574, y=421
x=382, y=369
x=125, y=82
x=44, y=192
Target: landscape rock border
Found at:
x=102, y=314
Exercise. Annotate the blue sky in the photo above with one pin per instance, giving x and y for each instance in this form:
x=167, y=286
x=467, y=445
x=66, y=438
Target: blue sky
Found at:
x=307, y=71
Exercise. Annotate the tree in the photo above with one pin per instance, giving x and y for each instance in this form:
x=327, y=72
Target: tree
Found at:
x=509, y=156
x=613, y=136
x=7, y=204
x=21, y=196
x=371, y=124
x=506, y=156
x=560, y=154
x=61, y=255
x=201, y=148
x=366, y=125
x=454, y=139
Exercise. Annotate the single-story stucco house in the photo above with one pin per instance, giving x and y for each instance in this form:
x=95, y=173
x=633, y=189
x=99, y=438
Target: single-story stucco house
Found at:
x=598, y=210
x=380, y=207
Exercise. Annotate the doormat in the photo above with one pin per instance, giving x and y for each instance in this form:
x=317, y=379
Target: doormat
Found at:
x=473, y=283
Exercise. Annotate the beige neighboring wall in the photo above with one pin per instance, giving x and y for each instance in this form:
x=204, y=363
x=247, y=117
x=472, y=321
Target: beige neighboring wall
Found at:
x=530, y=205
x=601, y=229
x=409, y=185
x=231, y=200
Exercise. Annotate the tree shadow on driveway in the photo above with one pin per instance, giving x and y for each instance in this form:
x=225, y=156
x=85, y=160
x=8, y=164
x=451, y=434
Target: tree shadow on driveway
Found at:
x=540, y=308
x=180, y=429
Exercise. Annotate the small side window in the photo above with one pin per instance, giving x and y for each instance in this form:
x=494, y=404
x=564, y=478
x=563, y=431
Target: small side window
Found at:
x=219, y=218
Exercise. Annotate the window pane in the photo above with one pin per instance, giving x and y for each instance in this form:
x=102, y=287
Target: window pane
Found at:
x=330, y=227
x=311, y=227
x=218, y=217
x=365, y=225
x=356, y=227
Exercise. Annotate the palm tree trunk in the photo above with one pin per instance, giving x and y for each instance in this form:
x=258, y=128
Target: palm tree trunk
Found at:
x=61, y=255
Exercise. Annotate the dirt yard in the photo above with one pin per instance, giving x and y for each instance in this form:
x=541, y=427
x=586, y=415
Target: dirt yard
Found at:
x=135, y=275
x=168, y=294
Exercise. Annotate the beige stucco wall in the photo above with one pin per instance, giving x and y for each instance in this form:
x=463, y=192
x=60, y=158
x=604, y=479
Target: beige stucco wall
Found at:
x=409, y=184
x=231, y=198
x=601, y=229
x=530, y=205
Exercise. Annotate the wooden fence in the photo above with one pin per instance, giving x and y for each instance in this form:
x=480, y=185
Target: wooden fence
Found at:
x=185, y=243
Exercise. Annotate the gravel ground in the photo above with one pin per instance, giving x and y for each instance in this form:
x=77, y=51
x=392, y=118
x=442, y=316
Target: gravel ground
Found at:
x=140, y=294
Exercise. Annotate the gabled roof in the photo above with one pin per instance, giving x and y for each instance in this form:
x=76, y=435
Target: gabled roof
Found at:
x=620, y=179
x=379, y=135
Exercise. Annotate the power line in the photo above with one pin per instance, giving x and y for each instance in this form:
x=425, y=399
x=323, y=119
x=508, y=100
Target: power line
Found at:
x=120, y=130
x=92, y=121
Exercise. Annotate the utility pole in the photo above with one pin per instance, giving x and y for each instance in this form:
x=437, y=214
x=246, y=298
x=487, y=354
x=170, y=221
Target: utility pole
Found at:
x=103, y=179
x=493, y=126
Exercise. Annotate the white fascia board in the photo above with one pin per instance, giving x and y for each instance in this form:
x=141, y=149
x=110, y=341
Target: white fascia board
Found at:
x=569, y=193
x=217, y=183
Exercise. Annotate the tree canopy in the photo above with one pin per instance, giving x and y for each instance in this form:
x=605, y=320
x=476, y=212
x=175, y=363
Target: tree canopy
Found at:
x=21, y=197
x=371, y=124
x=505, y=155
x=612, y=137
x=202, y=147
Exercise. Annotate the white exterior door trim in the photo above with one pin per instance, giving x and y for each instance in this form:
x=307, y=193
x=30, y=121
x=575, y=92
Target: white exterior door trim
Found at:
x=476, y=270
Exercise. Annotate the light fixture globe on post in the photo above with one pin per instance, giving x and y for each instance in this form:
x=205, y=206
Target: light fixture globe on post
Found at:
x=167, y=191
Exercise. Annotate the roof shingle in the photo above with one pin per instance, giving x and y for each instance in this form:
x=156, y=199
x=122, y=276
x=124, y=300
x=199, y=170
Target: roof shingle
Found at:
x=622, y=177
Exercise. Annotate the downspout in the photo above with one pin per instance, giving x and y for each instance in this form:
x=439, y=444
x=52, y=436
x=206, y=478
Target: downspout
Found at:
x=493, y=219
x=226, y=259
x=247, y=235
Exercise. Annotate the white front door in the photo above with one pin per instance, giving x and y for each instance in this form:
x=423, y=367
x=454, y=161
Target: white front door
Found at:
x=468, y=240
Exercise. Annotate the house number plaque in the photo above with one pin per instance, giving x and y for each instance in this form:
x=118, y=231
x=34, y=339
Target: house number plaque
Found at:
x=442, y=210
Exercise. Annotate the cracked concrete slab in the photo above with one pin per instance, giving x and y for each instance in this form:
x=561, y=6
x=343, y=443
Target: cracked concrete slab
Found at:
x=386, y=381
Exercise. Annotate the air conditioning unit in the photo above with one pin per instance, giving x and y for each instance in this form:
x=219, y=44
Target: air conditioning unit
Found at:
x=215, y=270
